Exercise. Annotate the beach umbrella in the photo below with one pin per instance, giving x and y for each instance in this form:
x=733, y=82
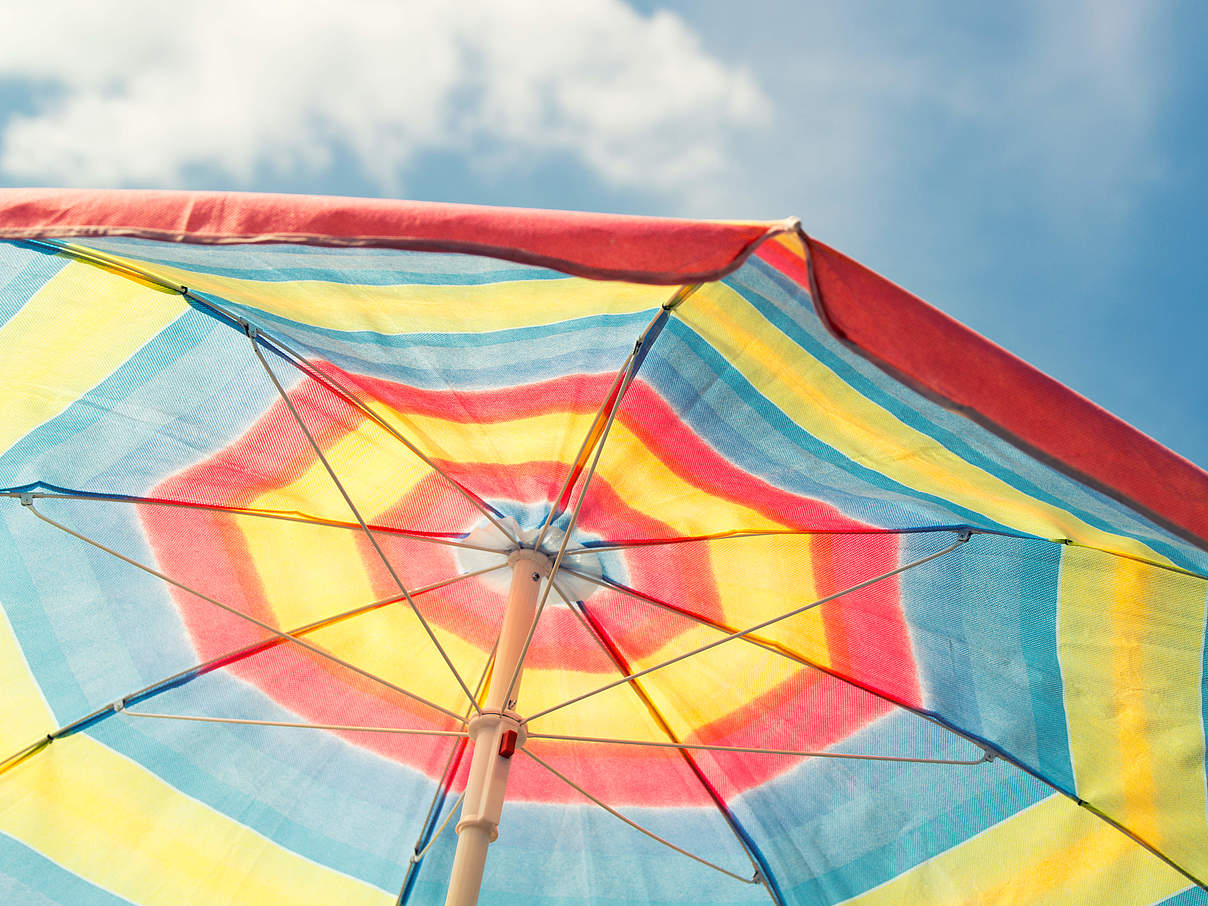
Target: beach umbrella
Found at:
x=362, y=551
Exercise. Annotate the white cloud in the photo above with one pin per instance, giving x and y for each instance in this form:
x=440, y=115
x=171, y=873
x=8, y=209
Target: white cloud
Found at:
x=1037, y=107
x=143, y=93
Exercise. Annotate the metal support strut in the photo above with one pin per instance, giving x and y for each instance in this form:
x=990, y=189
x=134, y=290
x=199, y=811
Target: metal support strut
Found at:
x=495, y=733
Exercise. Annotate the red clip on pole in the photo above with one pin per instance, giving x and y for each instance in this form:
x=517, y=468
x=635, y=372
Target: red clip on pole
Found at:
x=507, y=744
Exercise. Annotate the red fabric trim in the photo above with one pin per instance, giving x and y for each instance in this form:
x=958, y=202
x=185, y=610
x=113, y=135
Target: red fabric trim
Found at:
x=968, y=373
x=602, y=246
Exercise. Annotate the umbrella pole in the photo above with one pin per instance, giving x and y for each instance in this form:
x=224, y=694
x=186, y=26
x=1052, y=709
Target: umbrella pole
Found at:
x=495, y=734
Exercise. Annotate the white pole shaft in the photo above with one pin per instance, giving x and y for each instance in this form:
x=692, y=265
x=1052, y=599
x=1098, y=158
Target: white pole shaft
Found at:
x=488, y=777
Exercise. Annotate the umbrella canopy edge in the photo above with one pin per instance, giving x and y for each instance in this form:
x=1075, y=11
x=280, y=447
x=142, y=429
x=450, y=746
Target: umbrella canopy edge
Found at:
x=896, y=330
x=953, y=365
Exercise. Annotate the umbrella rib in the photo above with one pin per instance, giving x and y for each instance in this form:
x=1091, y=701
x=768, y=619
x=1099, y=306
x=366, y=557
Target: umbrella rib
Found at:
x=405, y=731
x=920, y=530
x=419, y=854
x=248, y=617
x=181, y=677
x=649, y=833
x=596, y=631
x=742, y=633
x=986, y=756
x=572, y=474
x=603, y=546
x=258, y=514
x=357, y=513
x=28, y=752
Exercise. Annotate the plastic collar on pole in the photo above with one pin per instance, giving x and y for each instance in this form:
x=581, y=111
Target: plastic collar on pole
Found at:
x=488, y=775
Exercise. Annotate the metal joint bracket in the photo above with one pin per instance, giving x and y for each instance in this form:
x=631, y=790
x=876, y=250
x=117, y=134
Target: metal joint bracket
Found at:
x=964, y=535
x=27, y=499
x=119, y=706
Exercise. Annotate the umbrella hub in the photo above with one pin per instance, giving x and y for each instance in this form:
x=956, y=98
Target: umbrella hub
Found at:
x=578, y=578
x=537, y=560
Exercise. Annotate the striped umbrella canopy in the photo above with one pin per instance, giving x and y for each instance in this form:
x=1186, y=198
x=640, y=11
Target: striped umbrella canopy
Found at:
x=693, y=561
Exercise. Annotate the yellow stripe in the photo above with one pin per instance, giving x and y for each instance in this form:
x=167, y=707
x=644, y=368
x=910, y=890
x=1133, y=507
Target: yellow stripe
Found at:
x=26, y=714
x=408, y=308
x=831, y=410
x=75, y=331
x=761, y=578
x=1130, y=636
x=652, y=487
x=707, y=688
x=1051, y=853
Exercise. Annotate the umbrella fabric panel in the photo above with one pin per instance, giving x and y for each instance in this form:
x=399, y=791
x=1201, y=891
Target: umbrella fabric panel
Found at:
x=892, y=833
x=929, y=350
x=115, y=417
x=1131, y=637
x=1174, y=604
x=983, y=627
x=771, y=288
x=574, y=854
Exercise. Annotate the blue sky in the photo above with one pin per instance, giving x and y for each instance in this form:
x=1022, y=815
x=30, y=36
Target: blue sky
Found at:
x=1034, y=169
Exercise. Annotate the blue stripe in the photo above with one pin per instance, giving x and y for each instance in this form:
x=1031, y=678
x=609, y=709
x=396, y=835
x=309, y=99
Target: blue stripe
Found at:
x=27, y=878
x=1192, y=896
x=191, y=391
x=558, y=855
x=24, y=269
x=983, y=626
x=280, y=263
x=495, y=359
